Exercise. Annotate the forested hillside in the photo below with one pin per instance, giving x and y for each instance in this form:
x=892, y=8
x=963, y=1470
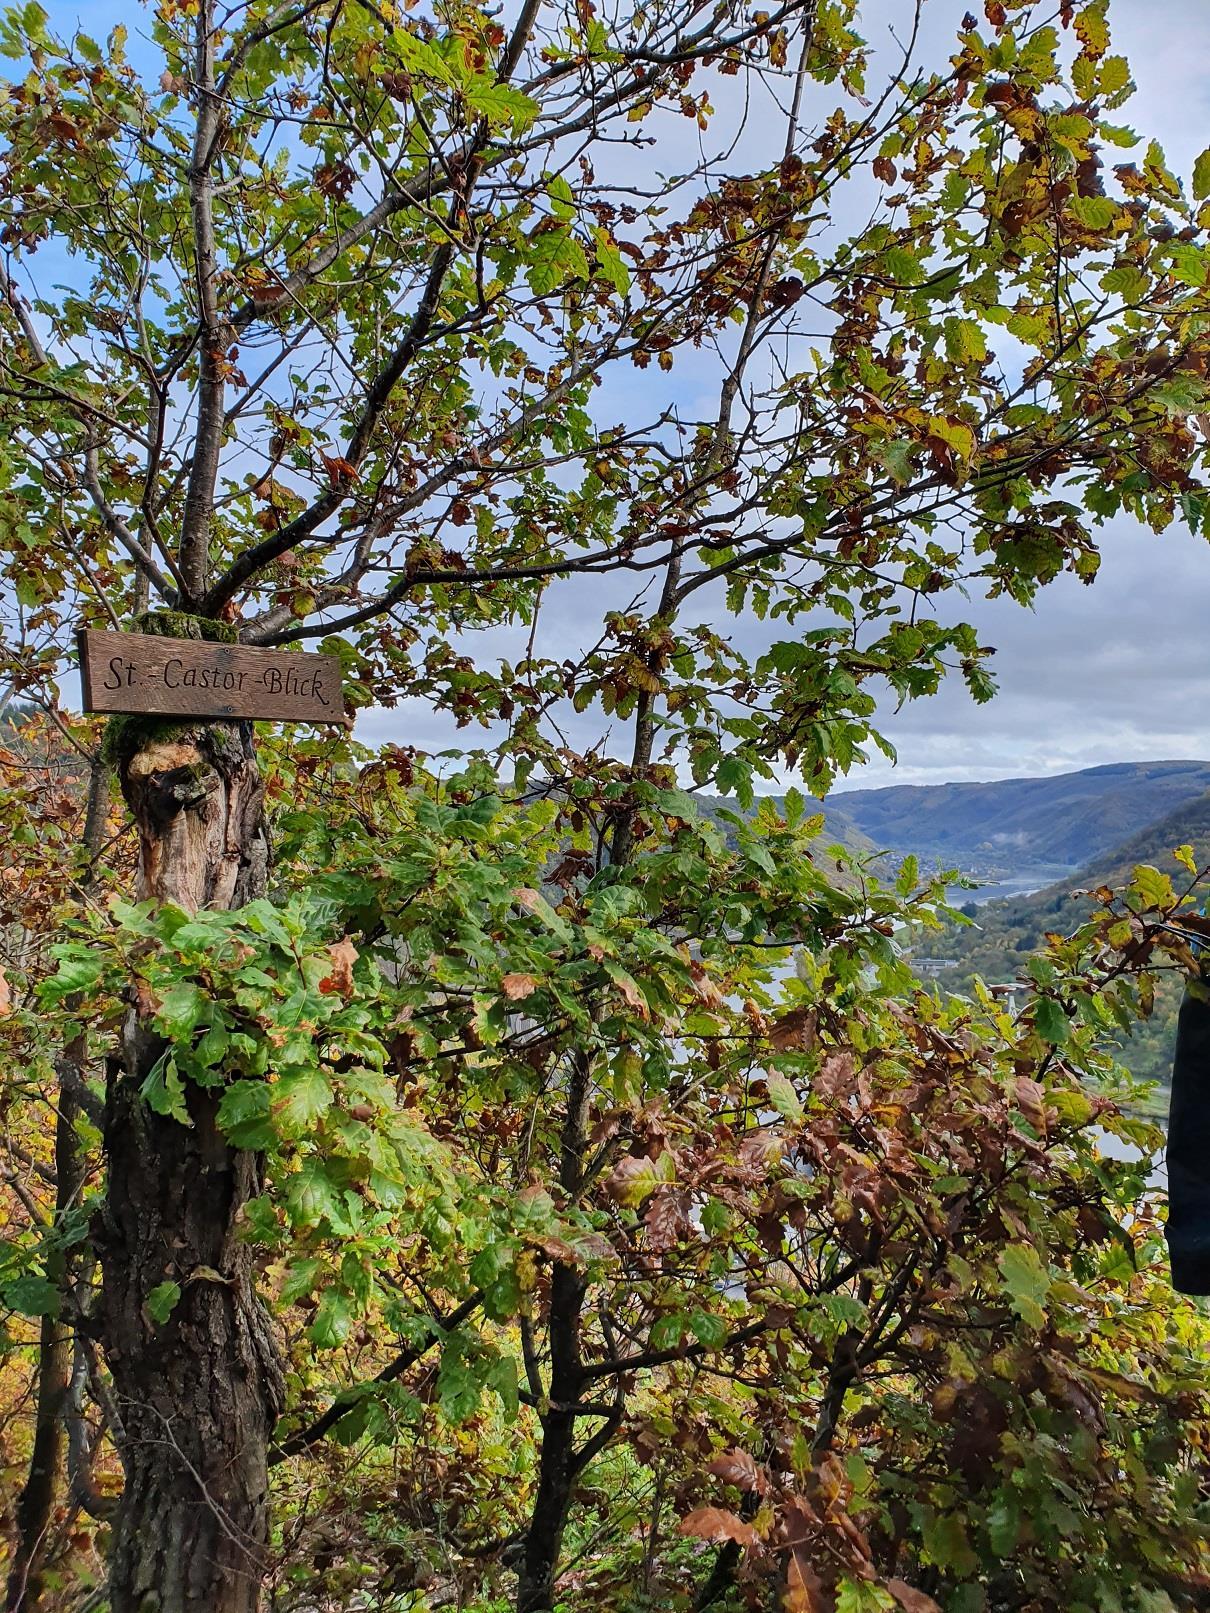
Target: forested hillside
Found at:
x=1004, y=825
x=1001, y=935
x=1069, y=818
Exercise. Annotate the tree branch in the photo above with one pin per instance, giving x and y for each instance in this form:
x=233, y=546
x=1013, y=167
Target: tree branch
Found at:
x=345, y=1402
x=208, y=438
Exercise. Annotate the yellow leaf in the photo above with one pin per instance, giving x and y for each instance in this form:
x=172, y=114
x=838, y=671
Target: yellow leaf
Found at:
x=1093, y=30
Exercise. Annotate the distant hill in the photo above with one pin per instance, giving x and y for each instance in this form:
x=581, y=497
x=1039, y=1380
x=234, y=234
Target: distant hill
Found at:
x=1067, y=820
x=1189, y=825
x=1010, y=825
x=1099, y=823
x=1005, y=932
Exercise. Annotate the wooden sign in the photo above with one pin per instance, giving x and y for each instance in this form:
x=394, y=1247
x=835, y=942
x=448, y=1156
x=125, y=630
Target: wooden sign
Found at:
x=176, y=677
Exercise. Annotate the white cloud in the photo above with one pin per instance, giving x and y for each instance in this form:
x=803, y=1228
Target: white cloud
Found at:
x=1120, y=671
x=1116, y=672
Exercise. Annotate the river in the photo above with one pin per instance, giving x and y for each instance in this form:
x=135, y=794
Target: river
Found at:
x=1023, y=884
x=1117, y=1149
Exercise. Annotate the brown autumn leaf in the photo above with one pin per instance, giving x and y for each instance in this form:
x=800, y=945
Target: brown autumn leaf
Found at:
x=1118, y=1384
x=517, y=987
x=145, y=1000
x=269, y=292
x=1031, y=1100
x=717, y=1524
x=738, y=1468
x=795, y=1029
x=704, y=989
x=340, y=471
x=804, y=1591
x=630, y=993
x=335, y=179
x=66, y=129
x=6, y=993
x=785, y=292
x=343, y=955
x=910, y=1599
x=761, y=1149
x=557, y=1248
x=1067, y=1390
x=666, y=1217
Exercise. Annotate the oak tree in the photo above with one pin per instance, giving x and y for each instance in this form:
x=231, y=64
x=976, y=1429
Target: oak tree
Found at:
x=316, y=323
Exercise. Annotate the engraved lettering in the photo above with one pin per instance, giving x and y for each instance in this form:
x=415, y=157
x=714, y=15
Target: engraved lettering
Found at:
x=144, y=673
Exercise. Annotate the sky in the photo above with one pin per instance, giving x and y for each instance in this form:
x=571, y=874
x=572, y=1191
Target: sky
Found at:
x=1118, y=672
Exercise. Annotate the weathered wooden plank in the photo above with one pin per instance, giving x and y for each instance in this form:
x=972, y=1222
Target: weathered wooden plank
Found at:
x=172, y=677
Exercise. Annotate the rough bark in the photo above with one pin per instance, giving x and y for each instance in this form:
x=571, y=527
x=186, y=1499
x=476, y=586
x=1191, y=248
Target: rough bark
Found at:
x=560, y=1463
x=36, y=1502
x=197, y=1395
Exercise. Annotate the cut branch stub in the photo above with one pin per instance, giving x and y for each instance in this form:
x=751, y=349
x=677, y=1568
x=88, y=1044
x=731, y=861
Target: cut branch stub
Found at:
x=197, y=801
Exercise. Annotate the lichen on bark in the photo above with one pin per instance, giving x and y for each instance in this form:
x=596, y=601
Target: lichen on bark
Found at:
x=127, y=734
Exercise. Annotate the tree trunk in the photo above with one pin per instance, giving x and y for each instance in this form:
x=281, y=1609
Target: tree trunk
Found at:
x=36, y=1501
x=198, y=1395
x=557, y=1468
x=559, y=1464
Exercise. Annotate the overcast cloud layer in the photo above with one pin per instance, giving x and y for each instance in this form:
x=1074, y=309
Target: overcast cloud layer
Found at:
x=1116, y=672
x=1121, y=671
